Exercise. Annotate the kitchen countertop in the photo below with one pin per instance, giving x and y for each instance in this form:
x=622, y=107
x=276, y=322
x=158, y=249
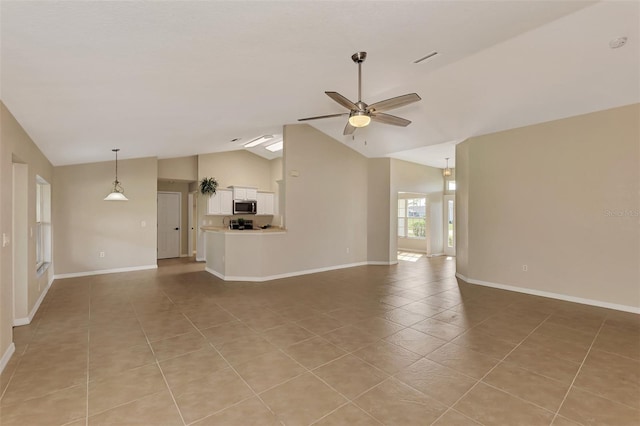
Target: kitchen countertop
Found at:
x=222, y=229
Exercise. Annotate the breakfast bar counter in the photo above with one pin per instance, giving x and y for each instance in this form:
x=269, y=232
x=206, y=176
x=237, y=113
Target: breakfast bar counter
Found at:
x=242, y=255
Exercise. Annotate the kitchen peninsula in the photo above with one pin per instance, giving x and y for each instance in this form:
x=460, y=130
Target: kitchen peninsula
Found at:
x=242, y=255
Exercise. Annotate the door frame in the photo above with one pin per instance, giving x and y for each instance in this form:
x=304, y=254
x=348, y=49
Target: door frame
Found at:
x=20, y=244
x=449, y=251
x=179, y=221
x=191, y=223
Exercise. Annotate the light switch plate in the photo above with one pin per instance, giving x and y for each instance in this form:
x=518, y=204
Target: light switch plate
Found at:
x=5, y=240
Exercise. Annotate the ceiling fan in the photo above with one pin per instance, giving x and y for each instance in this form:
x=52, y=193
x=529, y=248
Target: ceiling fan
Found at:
x=361, y=114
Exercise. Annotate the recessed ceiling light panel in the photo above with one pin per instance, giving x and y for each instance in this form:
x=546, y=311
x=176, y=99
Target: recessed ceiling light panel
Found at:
x=256, y=142
x=275, y=146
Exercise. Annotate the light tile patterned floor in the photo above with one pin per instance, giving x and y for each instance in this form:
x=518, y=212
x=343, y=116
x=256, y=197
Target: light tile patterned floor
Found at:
x=397, y=345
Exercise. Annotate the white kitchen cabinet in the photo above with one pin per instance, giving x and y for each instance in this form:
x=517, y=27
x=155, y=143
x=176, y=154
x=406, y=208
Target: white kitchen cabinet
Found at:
x=265, y=203
x=252, y=194
x=244, y=193
x=220, y=203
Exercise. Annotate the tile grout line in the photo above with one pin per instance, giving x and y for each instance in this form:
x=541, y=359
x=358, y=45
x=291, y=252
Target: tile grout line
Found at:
x=164, y=378
x=234, y=370
x=578, y=372
x=88, y=355
x=490, y=370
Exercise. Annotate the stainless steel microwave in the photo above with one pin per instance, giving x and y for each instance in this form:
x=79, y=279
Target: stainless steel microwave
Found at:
x=245, y=207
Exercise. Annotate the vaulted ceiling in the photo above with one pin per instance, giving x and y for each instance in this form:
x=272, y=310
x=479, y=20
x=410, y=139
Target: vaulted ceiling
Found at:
x=179, y=78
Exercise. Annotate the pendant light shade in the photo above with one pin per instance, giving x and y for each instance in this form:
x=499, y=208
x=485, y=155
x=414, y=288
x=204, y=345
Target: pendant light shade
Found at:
x=446, y=172
x=117, y=193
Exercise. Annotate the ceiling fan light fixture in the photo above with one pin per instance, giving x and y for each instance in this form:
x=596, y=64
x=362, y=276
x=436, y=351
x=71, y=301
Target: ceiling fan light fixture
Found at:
x=359, y=119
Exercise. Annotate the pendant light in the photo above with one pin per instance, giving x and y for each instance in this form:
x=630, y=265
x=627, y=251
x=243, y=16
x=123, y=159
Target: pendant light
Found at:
x=117, y=194
x=446, y=172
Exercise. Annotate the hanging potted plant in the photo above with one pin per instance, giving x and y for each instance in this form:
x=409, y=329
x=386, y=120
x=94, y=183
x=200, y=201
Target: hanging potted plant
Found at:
x=208, y=186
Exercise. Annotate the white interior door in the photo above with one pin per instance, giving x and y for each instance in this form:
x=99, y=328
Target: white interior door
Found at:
x=450, y=225
x=169, y=224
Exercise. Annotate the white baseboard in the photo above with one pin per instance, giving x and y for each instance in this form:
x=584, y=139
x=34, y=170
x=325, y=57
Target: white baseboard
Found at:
x=382, y=262
x=105, y=271
x=7, y=356
x=292, y=274
x=565, y=297
x=200, y=259
x=435, y=254
x=25, y=321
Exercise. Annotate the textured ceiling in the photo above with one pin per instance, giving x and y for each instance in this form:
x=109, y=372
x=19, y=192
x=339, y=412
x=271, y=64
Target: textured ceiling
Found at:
x=180, y=78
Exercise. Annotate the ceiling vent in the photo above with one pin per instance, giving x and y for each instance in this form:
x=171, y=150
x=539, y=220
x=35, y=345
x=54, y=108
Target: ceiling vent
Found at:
x=430, y=55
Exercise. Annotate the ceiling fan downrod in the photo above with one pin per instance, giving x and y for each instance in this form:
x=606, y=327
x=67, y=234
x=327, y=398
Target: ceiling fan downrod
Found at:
x=359, y=58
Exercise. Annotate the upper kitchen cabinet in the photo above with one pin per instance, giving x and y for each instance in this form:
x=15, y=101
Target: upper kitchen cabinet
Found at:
x=221, y=203
x=244, y=193
x=266, y=203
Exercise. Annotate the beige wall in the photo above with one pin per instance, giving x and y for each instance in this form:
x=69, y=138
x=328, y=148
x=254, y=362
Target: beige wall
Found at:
x=183, y=189
x=380, y=212
x=16, y=145
x=561, y=197
x=85, y=224
x=239, y=168
x=326, y=204
x=181, y=168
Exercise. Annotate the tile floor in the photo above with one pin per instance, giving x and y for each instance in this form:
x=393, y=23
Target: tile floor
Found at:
x=399, y=345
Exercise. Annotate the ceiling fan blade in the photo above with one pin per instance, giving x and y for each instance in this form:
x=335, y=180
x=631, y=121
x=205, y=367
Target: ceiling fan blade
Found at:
x=323, y=116
x=390, y=119
x=349, y=129
x=396, y=102
x=342, y=100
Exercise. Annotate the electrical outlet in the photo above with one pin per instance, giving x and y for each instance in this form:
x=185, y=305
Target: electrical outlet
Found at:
x=525, y=268
x=101, y=254
x=347, y=250
x=5, y=240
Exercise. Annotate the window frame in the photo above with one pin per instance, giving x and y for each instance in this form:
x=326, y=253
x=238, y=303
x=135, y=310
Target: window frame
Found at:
x=404, y=220
x=42, y=231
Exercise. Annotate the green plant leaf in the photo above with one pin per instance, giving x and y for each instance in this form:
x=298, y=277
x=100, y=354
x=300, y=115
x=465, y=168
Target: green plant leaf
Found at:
x=208, y=186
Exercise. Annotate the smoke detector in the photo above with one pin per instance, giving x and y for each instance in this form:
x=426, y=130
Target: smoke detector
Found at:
x=617, y=42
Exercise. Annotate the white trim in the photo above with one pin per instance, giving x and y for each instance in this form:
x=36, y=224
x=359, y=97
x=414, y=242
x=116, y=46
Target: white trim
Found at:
x=565, y=297
x=7, y=356
x=25, y=321
x=105, y=271
x=200, y=259
x=382, y=262
x=436, y=255
x=291, y=274
x=185, y=255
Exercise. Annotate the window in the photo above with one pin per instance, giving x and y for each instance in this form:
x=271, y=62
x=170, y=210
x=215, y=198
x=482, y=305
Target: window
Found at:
x=42, y=231
x=451, y=185
x=412, y=217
